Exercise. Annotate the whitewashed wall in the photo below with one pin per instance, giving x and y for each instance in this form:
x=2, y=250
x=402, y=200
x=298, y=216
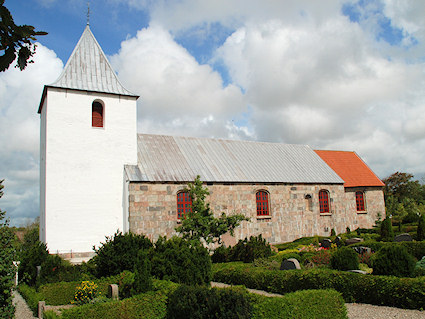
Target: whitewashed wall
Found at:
x=82, y=168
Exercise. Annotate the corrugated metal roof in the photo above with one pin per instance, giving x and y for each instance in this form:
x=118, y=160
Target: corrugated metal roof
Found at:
x=88, y=69
x=351, y=168
x=180, y=159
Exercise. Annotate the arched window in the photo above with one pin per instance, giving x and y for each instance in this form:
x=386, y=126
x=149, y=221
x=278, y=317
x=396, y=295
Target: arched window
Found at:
x=308, y=202
x=97, y=114
x=184, y=204
x=324, y=201
x=360, y=201
x=262, y=198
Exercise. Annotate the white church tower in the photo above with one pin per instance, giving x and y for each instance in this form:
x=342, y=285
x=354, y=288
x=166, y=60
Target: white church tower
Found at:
x=88, y=133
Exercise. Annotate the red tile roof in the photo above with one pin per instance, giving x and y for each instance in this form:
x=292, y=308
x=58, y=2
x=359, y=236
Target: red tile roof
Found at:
x=351, y=168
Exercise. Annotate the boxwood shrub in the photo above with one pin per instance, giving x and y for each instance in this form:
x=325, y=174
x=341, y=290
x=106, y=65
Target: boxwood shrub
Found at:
x=306, y=304
x=31, y=296
x=150, y=305
x=376, y=290
x=208, y=303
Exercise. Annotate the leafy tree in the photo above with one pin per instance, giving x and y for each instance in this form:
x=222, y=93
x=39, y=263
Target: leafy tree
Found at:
x=400, y=185
x=200, y=223
x=7, y=269
x=15, y=41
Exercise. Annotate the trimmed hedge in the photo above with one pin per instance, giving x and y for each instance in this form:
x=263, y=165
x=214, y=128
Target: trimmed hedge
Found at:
x=306, y=304
x=415, y=248
x=377, y=290
x=198, y=302
x=150, y=305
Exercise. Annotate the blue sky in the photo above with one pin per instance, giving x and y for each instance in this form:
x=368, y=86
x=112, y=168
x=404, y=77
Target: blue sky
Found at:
x=334, y=74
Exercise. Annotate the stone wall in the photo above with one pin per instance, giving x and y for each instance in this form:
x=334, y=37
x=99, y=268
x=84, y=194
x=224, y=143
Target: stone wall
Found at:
x=153, y=209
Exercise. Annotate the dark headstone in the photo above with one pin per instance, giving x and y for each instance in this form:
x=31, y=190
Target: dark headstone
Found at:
x=289, y=264
x=326, y=243
x=353, y=241
x=338, y=241
x=403, y=237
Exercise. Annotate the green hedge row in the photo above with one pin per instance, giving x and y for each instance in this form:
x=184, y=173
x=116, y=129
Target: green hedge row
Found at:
x=31, y=296
x=306, y=304
x=376, y=290
x=150, y=305
x=415, y=248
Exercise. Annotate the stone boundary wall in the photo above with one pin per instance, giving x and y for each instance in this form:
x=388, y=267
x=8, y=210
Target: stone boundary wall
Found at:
x=153, y=209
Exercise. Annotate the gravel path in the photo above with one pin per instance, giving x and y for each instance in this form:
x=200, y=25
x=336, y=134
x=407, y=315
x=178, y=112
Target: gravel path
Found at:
x=357, y=310
x=22, y=310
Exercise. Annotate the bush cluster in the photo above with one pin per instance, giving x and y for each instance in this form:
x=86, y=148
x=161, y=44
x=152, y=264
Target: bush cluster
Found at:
x=393, y=260
x=415, y=248
x=85, y=292
x=245, y=250
x=119, y=253
x=205, y=303
x=377, y=290
x=181, y=261
x=345, y=258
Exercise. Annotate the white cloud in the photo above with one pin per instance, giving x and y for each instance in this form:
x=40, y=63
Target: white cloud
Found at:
x=178, y=95
x=20, y=93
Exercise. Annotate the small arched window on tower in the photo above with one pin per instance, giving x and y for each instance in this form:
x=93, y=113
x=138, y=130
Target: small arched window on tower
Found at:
x=262, y=198
x=360, y=201
x=324, y=201
x=97, y=114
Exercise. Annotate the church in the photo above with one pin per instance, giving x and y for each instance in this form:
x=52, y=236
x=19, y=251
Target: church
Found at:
x=98, y=175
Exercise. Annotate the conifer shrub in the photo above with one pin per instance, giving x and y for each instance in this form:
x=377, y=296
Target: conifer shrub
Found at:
x=221, y=254
x=345, y=258
x=181, y=261
x=205, y=303
x=393, y=260
x=142, y=273
x=386, y=231
x=119, y=253
x=420, y=232
x=249, y=249
x=33, y=253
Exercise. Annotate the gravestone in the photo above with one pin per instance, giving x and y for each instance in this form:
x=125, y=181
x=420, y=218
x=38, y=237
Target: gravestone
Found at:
x=338, y=241
x=403, y=237
x=353, y=241
x=326, y=243
x=113, y=292
x=289, y=264
x=362, y=250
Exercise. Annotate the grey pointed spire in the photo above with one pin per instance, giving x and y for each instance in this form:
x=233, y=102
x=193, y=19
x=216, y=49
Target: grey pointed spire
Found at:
x=88, y=69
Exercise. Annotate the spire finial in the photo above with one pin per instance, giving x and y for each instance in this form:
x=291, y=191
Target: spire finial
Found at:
x=88, y=12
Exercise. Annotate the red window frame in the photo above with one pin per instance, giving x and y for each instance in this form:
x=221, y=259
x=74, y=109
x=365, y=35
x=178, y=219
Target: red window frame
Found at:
x=97, y=114
x=324, y=201
x=262, y=199
x=184, y=204
x=360, y=201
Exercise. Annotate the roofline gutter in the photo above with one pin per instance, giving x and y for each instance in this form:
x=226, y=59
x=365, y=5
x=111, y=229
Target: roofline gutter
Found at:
x=44, y=94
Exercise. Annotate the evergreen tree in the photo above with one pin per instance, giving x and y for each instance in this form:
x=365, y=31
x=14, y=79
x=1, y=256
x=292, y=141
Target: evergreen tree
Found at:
x=7, y=269
x=142, y=273
x=387, y=233
x=420, y=233
x=200, y=223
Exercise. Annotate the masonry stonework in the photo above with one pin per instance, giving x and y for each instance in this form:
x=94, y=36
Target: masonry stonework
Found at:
x=153, y=209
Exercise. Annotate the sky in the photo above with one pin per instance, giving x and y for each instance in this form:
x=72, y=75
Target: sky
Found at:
x=339, y=75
